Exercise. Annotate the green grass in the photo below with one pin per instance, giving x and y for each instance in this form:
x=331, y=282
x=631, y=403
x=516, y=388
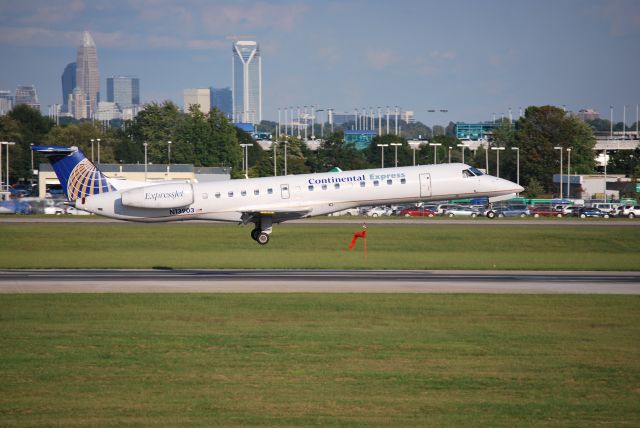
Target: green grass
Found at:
x=323, y=246
x=303, y=360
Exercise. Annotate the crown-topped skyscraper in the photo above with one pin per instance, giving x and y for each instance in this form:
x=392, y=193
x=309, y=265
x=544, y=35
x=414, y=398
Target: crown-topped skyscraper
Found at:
x=246, y=78
x=87, y=75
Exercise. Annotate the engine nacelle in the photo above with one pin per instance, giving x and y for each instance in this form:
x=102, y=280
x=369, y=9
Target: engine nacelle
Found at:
x=165, y=195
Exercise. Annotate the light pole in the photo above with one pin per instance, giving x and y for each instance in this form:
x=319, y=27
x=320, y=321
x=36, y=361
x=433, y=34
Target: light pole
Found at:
x=382, y=146
x=414, y=146
x=285, y=156
x=98, y=140
x=435, y=148
x=605, y=172
x=449, y=150
x=169, y=156
x=274, y=148
x=498, y=150
x=561, y=149
x=245, y=160
x=611, y=122
x=32, y=170
x=92, y=140
x=517, y=149
x=395, y=148
x=7, y=143
x=145, y=161
x=568, y=172
x=462, y=146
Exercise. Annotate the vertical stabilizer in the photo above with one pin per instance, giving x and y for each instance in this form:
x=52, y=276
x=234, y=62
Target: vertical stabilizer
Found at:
x=78, y=176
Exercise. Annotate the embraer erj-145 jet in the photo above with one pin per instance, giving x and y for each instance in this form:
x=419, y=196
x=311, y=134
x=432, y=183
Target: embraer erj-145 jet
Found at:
x=267, y=200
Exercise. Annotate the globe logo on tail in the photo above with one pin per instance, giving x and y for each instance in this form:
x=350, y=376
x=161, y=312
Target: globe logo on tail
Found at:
x=85, y=180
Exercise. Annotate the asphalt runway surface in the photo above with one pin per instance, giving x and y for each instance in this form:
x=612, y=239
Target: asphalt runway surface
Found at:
x=316, y=281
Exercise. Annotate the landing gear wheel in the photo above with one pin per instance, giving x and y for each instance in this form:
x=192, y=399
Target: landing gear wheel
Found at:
x=491, y=214
x=263, y=238
x=254, y=234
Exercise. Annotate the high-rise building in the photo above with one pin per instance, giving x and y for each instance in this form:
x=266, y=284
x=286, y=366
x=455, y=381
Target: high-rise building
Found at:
x=201, y=97
x=246, y=82
x=87, y=75
x=221, y=99
x=68, y=84
x=78, y=105
x=6, y=102
x=26, y=94
x=123, y=90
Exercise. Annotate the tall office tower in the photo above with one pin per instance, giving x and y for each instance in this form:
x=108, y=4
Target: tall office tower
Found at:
x=78, y=105
x=201, y=97
x=68, y=83
x=87, y=76
x=221, y=99
x=26, y=94
x=246, y=81
x=124, y=91
x=6, y=102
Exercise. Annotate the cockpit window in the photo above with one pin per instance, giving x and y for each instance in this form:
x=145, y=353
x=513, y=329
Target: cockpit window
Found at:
x=472, y=172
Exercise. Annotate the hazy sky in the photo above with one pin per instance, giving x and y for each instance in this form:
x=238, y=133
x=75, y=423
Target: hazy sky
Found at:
x=472, y=57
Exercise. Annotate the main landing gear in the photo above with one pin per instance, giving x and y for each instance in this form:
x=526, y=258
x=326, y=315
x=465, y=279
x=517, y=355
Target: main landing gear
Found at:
x=261, y=232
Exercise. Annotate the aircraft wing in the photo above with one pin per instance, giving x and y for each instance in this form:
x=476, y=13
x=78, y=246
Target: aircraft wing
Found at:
x=276, y=216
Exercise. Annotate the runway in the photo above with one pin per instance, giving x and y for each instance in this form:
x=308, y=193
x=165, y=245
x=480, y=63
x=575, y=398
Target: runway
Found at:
x=317, y=281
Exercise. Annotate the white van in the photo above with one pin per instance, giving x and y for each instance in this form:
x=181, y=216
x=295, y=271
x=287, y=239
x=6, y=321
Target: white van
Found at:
x=606, y=207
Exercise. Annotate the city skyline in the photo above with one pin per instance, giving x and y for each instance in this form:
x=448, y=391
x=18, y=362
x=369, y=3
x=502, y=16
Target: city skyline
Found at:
x=473, y=60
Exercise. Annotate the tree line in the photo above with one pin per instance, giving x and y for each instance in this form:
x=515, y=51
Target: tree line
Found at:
x=211, y=140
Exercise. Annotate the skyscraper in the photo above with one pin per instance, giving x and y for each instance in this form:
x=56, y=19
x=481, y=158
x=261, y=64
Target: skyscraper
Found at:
x=198, y=96
x=87, y=75
x=68, y=84
x=246, y=78
x=6, y=102
x=123, y=90
x=26, y=94
x=221, y=99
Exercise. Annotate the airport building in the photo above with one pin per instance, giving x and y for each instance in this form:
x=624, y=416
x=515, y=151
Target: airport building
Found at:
x=475, y=131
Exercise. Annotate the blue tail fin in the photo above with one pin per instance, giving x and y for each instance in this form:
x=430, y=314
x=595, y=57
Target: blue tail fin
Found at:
x=78, y=176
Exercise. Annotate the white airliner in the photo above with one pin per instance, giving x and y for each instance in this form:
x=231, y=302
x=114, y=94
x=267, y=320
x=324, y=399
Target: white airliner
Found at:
x=267, y=200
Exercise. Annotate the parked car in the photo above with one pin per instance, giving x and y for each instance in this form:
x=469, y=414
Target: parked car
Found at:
x=572, y=211
x=512, y=211
x=458, y=211
x=378, y=212
x=417, y=212
x=545, y=211
x=347, y=212
x=631, y=211
x=53, y=210
x=441, y=208
x=606, y=207
x=592, y=212
x=15, y=206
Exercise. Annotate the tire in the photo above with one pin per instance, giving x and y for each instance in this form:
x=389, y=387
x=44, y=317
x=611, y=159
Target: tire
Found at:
x=536, y=215
x=583, y=216
x=451, y=215
x=559, y=216
x=474, y=215
x=500, y=215
x=523, y=215
x=254, y=234
x=263, y=238
x=606, y=216
x=407, y=215
x=491, y=214
x=631, y=215
x=374, y=215
x=430, y=215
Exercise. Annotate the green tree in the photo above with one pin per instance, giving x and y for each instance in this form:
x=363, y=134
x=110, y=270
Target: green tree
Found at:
x=24, y=126
x=156, y=125
x=539, y=131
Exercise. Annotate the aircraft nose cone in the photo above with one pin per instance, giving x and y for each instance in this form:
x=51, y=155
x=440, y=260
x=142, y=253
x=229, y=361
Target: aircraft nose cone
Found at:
x=520, y=189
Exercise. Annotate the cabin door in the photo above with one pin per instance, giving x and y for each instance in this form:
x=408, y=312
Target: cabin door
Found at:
x=284, y=191
x=425, y=185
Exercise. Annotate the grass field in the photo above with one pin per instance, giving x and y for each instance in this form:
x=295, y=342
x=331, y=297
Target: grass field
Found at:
x=321, y=246
x=336, y=360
